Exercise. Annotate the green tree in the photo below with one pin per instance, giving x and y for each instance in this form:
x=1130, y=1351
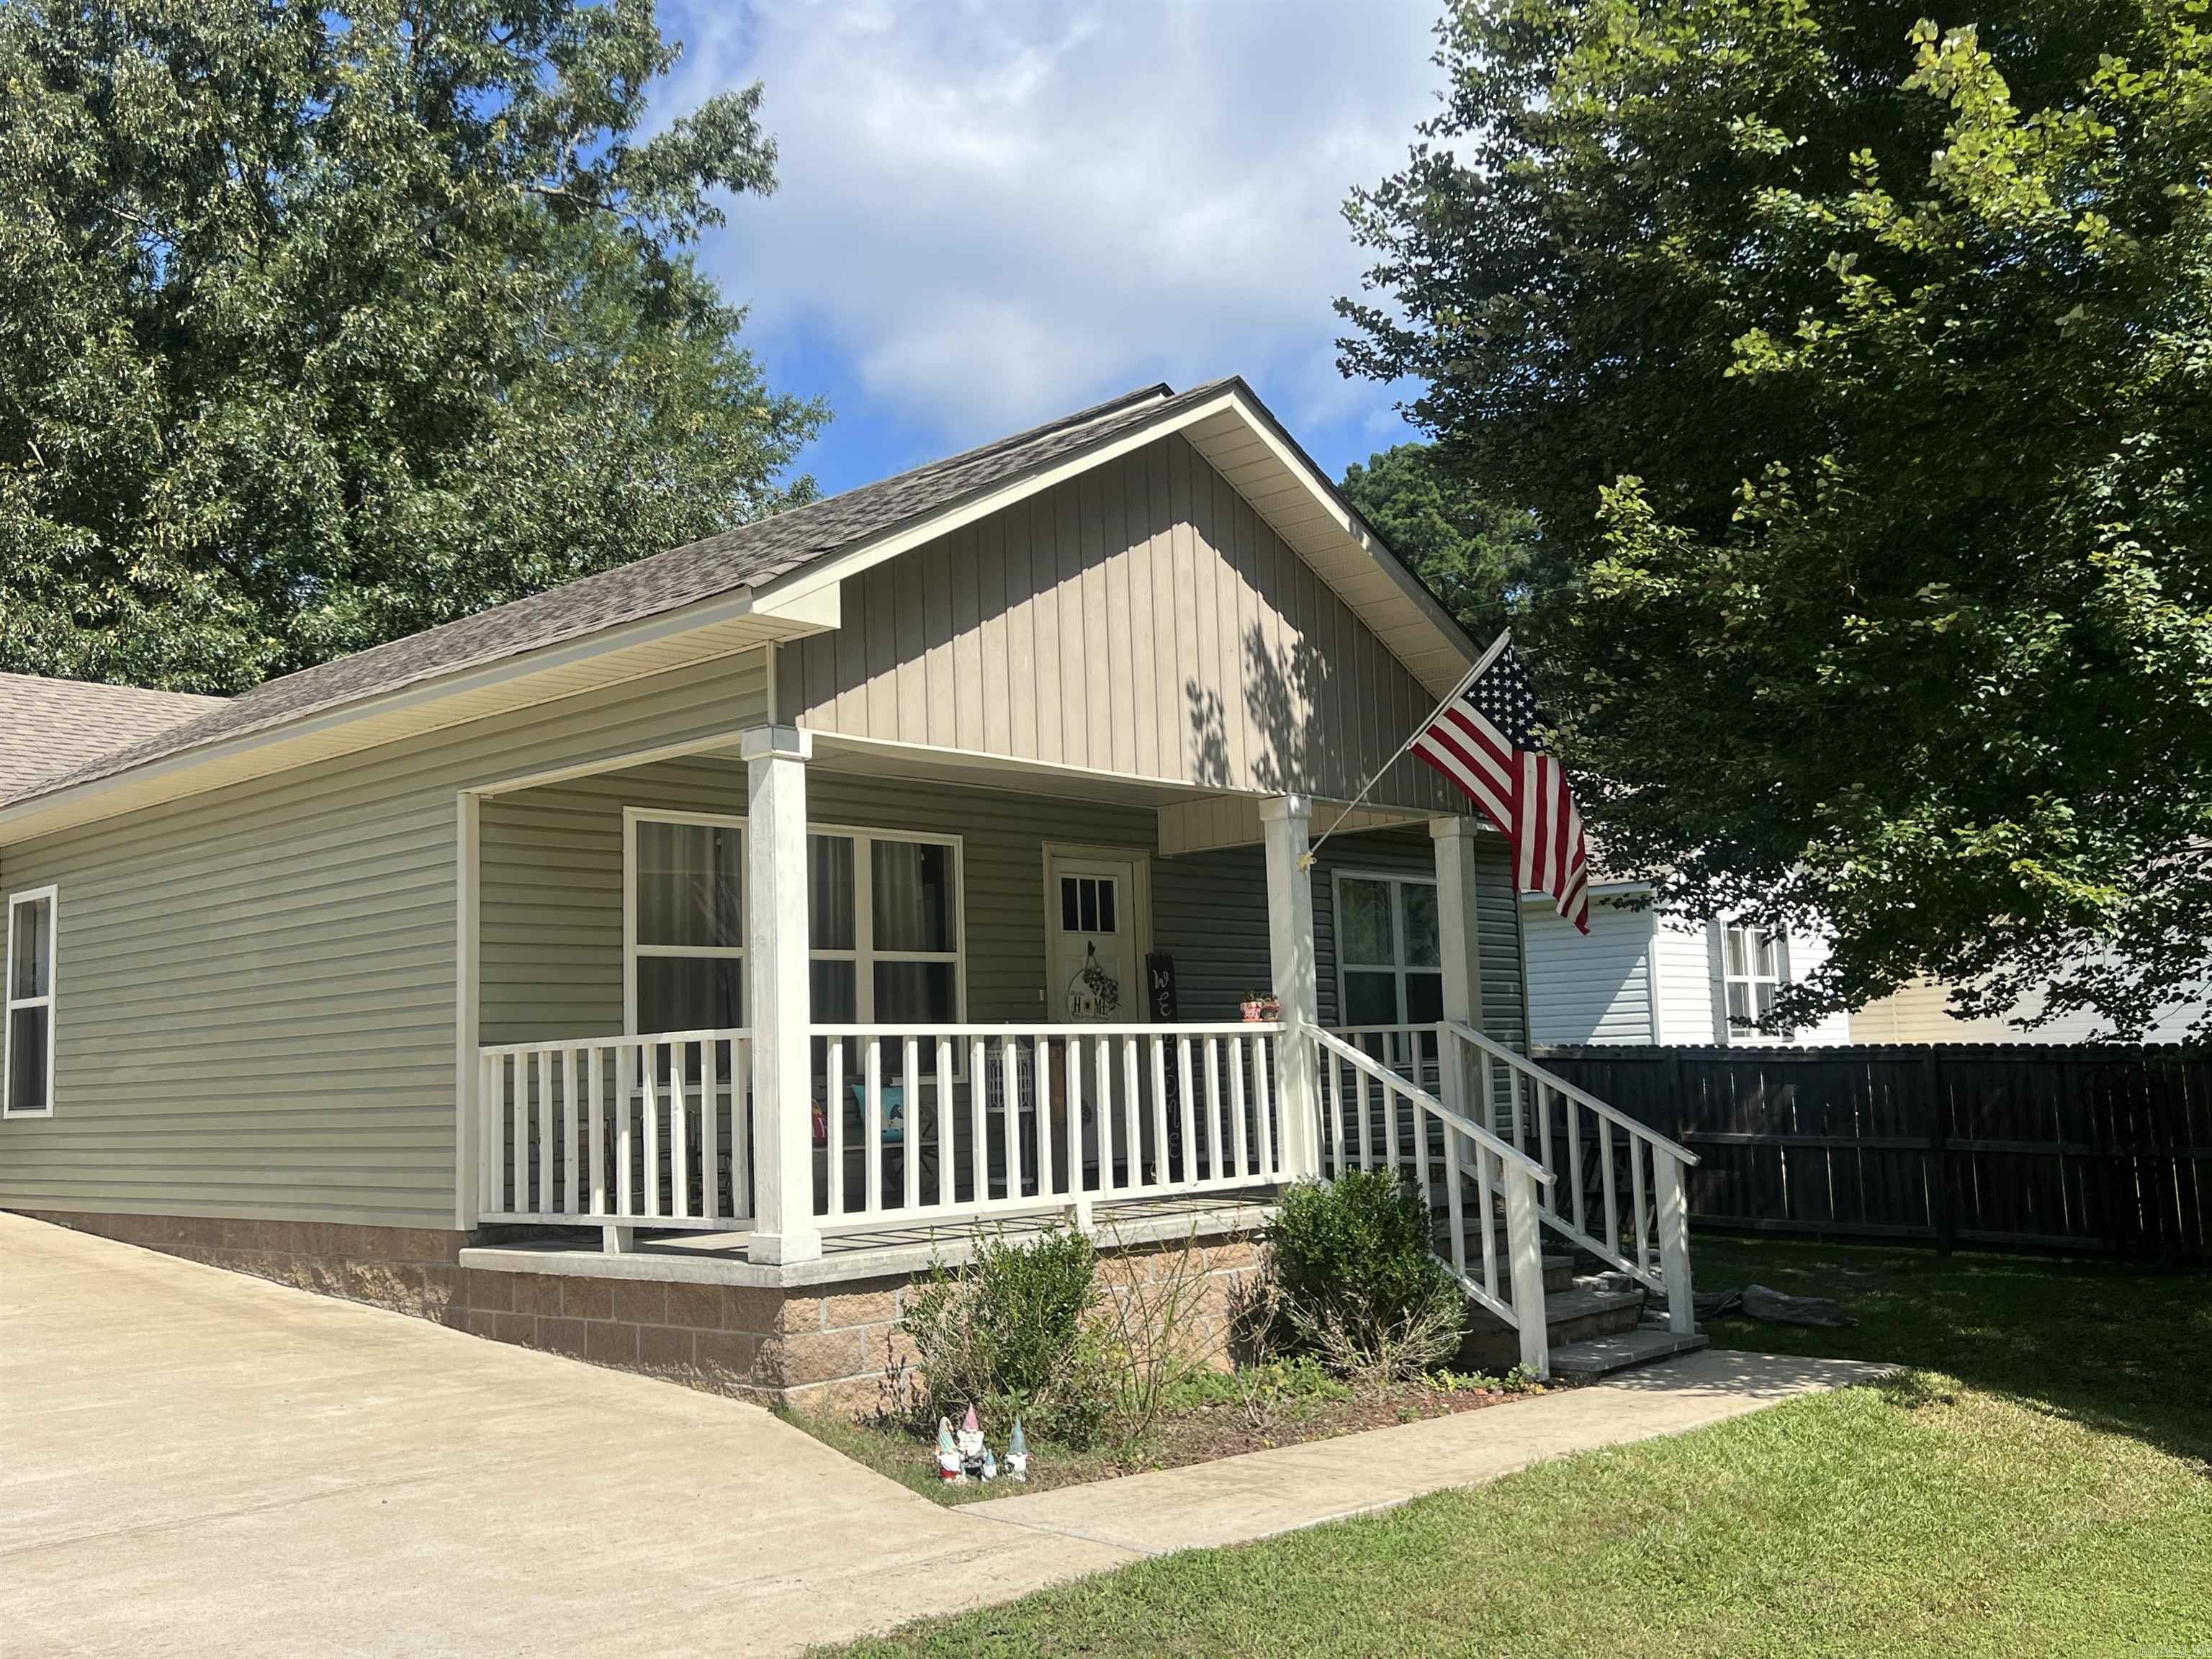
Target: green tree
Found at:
x=1858, y=371
x=1473, y=553
x=320, y=325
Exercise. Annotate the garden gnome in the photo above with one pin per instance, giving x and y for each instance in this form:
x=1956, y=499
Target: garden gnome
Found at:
x=948, y=1454
x=969, y=1441
x=990, y=1464
x=1018, y=1455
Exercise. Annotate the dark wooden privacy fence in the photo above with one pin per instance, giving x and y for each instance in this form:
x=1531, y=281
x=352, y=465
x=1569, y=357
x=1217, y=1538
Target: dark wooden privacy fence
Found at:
x=2105, y=1147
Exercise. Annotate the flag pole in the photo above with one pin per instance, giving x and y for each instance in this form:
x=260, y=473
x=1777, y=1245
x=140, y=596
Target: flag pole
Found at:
x=1449, y=697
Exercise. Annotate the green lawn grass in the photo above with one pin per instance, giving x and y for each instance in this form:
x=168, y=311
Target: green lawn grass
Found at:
x=2037, y=1484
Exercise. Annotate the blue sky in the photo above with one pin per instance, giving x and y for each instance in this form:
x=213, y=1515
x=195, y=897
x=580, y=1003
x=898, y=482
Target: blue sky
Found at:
x=992, y=213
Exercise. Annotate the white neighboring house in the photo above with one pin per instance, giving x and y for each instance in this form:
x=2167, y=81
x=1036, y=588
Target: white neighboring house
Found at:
x=1642, y=977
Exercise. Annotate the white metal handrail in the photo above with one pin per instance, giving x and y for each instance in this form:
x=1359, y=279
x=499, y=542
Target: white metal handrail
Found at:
x=1459, y=1150
x=1542, y=1107
x=954, y=1121
x=621, y=1132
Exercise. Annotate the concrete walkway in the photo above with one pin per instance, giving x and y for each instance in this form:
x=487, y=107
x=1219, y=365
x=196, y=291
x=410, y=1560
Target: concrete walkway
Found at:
x=1261, y=1493
x=195, y=1462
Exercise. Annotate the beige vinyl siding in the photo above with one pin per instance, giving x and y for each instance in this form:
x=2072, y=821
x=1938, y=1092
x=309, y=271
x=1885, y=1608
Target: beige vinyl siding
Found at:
x=1140, y=619
x=256, y=1009
x=1589, y=988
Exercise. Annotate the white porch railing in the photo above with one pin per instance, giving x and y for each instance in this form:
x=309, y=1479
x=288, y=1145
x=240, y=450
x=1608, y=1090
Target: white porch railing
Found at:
x=1617, y=1191
x=949, y=1123
x=647, y=1131
x=1376, y=1115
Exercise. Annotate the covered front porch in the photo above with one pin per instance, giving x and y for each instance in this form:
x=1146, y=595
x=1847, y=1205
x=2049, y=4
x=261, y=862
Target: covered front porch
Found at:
x=806, y=1010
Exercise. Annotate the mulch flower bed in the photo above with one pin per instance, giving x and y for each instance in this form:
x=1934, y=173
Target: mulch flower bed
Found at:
x=1216, y=1418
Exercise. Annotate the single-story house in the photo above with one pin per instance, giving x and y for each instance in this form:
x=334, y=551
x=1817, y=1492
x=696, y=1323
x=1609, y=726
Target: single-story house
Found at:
x=660, y=967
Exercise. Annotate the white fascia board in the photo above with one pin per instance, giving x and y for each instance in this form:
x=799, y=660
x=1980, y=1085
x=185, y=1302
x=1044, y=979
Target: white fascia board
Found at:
x=801, y=619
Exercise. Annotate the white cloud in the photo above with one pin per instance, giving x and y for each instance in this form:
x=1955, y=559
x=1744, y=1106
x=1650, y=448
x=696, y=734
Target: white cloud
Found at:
x=995, y=212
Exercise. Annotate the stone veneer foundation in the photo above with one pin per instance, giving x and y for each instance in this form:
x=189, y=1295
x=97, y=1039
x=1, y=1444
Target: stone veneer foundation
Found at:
x=816, y=1347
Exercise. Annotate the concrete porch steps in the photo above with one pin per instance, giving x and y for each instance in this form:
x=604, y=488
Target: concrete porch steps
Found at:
x=1601, y=1356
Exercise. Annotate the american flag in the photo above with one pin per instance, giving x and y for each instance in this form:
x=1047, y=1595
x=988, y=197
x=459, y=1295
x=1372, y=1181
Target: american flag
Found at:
x=1484, y=740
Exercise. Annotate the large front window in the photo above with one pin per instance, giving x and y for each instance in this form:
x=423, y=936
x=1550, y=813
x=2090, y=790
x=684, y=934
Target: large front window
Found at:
x=1389, y=968
x=883, y=913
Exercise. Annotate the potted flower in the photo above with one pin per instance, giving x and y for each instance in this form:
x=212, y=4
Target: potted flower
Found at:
x=1261, y=1005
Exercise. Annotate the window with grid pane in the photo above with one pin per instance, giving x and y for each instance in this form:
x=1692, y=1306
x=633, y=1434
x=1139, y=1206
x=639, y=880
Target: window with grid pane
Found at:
x=1388, y=956
x=688, y=925
x=1753, y=971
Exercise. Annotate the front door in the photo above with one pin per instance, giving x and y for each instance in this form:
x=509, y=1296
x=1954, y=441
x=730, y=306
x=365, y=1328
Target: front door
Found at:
x=1095, y=904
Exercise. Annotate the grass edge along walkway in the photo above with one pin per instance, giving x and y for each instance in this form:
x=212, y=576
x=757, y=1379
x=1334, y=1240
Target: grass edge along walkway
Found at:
x=2039, y=1484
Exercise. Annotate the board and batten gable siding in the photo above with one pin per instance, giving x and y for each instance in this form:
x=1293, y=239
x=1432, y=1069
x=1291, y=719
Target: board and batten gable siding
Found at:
x=255, y=1015
x=1589, y=988
x=1139, y=619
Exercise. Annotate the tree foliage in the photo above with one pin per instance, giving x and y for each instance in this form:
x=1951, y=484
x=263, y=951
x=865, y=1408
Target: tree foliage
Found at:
x=322, y=326
x=1473, y=553
x=1860, y=372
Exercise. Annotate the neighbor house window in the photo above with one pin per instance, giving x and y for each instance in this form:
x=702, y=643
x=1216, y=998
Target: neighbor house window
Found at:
x=686, y=923
x=1752, y=969
x=1390, y=966
x=883, y=918
x=27, y=1068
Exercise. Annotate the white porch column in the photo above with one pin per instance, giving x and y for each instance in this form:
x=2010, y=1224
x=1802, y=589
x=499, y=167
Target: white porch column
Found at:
x=776, y=993
x=1286, y=820
x=1458, y=928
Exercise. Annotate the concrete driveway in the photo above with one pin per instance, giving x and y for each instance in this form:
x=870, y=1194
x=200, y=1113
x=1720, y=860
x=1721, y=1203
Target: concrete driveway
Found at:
x=192, y=1461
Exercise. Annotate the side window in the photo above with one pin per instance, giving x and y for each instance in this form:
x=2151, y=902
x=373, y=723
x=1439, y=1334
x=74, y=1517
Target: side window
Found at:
x=1752, y=971
x=1388, y=966
x=26, y=1074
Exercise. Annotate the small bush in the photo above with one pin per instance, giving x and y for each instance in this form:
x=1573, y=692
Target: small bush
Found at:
x=1357, y=1282
x=1013, y=1330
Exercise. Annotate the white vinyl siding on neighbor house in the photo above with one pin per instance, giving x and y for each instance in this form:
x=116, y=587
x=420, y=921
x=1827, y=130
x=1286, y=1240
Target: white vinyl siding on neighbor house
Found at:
x=1593, y=988
x=257, y=1012
x=1638, y=978
x=1140, y=619
x=27, y=960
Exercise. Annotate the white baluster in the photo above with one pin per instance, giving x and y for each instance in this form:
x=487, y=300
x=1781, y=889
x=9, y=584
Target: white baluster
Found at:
x=1636, y=1145
x=1605, y=1174
x=872, y=1126
x=1041, y=1050
x=710, y=1129
x=1238, y=1050
x=1159, y=1047
x=1674, y=1243
x=941, y=1120
x=1188, y=1173
x=979, y=1131
x=910, y=1135
x=679, y=1129
x=832, y=1124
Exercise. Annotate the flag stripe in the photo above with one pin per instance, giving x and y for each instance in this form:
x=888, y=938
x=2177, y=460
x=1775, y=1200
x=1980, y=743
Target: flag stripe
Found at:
x=1484, y=741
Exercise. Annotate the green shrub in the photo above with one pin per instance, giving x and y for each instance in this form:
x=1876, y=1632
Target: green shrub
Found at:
x=1356, y=1280
x=1013, y=1330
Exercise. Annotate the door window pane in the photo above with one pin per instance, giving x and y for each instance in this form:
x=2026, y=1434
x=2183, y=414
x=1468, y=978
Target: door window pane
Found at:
x=912, y=896
x=1422, y=950
x=1365, y=928
x=690, y=994
x=1106, y=925
x=1424, y=998
x=1370, y=998
x=690, y=884
x=26, y=957
x=28, y=1030
x=1071, y=905
x=916, y=992
x=829, y=907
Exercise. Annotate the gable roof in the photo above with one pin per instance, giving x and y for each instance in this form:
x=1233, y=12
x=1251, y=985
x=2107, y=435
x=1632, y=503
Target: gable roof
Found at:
x=52, y=727
x=796, y=554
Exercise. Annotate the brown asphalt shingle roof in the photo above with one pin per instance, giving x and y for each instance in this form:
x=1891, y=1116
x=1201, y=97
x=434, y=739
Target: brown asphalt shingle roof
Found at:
x=750, y=555
x=48, y=727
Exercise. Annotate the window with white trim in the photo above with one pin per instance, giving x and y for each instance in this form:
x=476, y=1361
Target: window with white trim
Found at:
x=26, y=1036
x=1389, y=963
x=883, y=920
x=1753, y=970
x=686, y=923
